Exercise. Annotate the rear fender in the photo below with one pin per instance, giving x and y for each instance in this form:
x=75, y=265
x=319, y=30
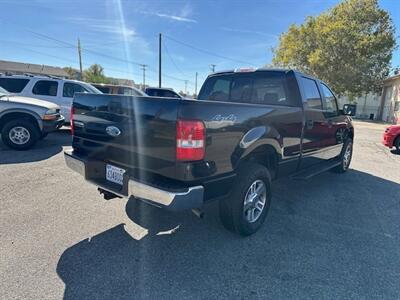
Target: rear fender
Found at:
x=253, y=139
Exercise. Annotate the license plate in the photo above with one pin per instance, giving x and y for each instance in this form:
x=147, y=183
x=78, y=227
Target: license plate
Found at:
x=114, y=174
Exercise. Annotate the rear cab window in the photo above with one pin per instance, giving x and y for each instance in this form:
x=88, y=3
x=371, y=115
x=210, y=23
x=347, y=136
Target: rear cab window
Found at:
x=268, y=87
x=45, y=88
x=13, y=85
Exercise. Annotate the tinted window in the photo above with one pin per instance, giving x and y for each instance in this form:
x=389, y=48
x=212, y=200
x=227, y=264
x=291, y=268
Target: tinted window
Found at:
x=269, y=88
x=258, y=88
x=168, y=94
x=45, y=88
x=13, y=85
x=216, y=88
x=103, y=89
x=330, y=101
x=241, y=89
x=70, y=89
x=311, y=93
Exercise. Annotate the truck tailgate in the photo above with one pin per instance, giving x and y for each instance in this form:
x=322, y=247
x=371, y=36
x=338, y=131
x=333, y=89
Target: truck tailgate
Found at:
x=135, y=133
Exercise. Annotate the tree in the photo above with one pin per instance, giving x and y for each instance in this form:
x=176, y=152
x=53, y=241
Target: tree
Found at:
x=95, y=74
x=349, y=47
x=72, y=73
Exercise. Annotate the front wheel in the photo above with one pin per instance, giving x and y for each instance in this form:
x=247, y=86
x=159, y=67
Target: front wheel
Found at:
x=20, y=134
x=397, y=144
x=246, y=208
x=345, y=157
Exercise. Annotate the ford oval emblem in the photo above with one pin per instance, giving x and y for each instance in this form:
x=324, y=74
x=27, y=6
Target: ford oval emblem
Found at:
x=113, y=131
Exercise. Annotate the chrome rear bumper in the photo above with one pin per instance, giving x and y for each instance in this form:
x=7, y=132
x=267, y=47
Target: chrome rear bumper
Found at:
x=191, y=197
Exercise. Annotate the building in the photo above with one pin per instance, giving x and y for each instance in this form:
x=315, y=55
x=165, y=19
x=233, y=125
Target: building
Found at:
x=390, y=100
x=11, y=67
x=381, y=107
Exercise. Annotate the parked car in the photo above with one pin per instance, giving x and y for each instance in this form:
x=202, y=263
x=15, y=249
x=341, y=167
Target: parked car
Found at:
x=391, y=137
x=57, y=90
x=162, y=92
x=118, y=89
x=23, y=121
x=245, y=130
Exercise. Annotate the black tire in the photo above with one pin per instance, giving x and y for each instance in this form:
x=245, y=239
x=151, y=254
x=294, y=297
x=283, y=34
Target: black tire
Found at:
x=397, y=144
x=27, y=125
x=344, y=163
x=231, y=209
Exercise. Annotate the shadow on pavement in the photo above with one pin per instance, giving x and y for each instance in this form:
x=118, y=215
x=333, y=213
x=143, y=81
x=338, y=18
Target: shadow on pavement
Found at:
x=334, y=236
x=43, y=149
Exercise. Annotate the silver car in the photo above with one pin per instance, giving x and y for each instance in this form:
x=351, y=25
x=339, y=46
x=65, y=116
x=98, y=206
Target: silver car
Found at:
x=23, y=121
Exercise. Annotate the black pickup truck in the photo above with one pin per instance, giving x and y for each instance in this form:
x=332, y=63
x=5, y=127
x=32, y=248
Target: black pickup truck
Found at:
x=247, y=128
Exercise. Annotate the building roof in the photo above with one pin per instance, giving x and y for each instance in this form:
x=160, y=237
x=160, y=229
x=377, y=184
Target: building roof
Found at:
x=394, y=77
x=22, y=68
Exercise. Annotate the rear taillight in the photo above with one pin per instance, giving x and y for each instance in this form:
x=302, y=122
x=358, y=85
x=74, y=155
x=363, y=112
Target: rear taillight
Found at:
x=190, y=140
x=71, y=120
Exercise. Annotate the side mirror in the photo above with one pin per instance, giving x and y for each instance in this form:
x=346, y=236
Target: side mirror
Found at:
x=349, y=109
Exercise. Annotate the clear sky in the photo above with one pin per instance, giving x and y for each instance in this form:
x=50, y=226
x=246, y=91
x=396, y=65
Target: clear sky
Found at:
x=121, y=34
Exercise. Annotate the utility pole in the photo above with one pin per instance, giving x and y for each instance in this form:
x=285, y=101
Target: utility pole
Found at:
x=144, y=76
x=186, y=82
x=212, y=66
x=80, y=59
x=195, y=85
x=159, y=60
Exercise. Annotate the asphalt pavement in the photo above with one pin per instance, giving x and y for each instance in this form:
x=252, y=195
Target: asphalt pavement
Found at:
x=333, y=236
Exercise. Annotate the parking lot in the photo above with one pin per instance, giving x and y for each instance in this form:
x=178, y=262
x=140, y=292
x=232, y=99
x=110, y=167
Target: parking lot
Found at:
x=334, y=236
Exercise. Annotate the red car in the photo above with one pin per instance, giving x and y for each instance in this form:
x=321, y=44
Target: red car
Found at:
x=391, y=137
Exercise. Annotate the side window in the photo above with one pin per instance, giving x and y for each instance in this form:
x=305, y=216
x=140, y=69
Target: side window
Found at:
x=313, y=97
x=45, y=88
x=13, y=85
x=330, y=100
x=170, y=94
x=216, y=89
x=70, y=89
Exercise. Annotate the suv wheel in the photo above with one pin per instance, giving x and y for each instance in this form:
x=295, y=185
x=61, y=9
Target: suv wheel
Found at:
x=345, y=157
x=20, y=134
x=245, y=210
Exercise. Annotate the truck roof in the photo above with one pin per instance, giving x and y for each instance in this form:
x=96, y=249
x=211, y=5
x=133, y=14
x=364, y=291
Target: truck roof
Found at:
x=250, y=70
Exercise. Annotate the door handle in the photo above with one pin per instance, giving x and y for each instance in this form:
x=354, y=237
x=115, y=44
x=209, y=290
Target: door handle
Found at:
x=309, y=124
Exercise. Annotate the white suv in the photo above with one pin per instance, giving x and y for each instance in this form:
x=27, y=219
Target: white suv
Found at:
x=52, y=89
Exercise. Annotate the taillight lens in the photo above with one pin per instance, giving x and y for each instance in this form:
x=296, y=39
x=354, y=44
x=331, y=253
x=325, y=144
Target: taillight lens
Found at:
x=190, y=140
x=71, y=119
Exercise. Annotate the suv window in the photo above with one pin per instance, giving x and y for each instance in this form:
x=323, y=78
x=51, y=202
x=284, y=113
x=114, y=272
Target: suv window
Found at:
x=13, y=85
x=330, y=100
x=45, y=88
x=312, y=94
x=257, y=88
x=71, y=88
x=168, y=94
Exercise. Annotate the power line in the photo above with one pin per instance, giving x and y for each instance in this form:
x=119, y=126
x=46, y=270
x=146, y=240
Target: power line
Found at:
x=83, y=49
x=208, y=52
x=173, y=62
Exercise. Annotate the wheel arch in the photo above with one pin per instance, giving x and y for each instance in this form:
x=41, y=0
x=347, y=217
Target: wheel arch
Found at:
x=9, y=115
x=265, y=154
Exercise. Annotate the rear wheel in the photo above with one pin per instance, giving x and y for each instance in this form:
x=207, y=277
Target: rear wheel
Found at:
x=345, y=157
x=20, y=134
x=245, y=210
